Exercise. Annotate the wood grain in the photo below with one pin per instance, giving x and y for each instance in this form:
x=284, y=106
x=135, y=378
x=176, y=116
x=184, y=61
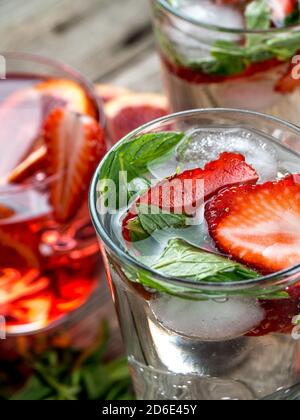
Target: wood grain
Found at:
x=107, y=40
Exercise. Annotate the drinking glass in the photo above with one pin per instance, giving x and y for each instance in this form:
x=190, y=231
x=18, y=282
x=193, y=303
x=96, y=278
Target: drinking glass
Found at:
x=170, y=355
x=269, y=84
x=50, y=272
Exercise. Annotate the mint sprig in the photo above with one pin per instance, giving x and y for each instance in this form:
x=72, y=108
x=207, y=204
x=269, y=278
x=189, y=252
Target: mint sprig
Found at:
x=133, y=158
x=150, y=219
x=68, y=374
x=228, y=58
x=182, y=260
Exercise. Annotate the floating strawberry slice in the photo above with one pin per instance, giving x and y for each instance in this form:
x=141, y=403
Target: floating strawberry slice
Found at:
x=75, y=145
x=180, y=194
x=128, y=112
x=65, y=92
x=258, y=225
x=109, y=92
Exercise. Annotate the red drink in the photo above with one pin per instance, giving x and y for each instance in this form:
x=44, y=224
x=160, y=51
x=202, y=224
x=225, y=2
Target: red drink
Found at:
x=50, y=140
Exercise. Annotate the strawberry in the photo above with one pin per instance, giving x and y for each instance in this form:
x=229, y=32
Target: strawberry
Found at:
x=279, y=314
x=258, y=225
x=283, y=11
x=176, y=195
x=290, y=81
x=75, y=145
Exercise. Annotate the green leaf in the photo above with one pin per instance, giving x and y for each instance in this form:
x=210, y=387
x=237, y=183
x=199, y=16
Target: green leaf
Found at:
x=133, y=157
x=258, y=15
x=34, y=390
x=182, y=260
x=58, y=375
x=150, y=219
x=95, y=382
x=153, y=222
x=228, y=58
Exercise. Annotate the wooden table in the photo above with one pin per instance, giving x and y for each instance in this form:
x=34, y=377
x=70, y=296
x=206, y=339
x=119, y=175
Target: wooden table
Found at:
x=107, y=40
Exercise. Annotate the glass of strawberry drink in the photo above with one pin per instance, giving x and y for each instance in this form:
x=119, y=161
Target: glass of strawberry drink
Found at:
x=231, y=54
x=204, y=264
x=50, y=141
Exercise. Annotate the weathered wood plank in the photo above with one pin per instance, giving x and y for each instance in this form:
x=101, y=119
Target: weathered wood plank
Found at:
x=142, y=75
x=99, y=37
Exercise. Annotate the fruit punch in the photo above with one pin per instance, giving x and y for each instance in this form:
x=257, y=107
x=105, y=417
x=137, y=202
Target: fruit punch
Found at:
x=50, y=142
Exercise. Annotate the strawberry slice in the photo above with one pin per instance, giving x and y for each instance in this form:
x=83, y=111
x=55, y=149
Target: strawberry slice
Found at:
x=179, y=194
x=75, y=145
x=258, y=225
x=65, y=92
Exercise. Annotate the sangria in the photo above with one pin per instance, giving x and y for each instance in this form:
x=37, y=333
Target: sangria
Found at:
x=201, y=238
x=230, y=54
x=51, y=139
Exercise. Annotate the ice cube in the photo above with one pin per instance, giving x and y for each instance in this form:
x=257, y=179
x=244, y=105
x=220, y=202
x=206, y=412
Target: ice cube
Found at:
x=210, y=13
x=208, y=320
x=205, y=145
x=193, y=40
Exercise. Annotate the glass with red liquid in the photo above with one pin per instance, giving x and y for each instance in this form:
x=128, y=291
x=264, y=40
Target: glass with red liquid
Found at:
x=51, y=138
x=230, y=54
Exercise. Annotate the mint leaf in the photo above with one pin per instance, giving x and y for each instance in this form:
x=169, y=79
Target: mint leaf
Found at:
x=137, y=232
x=70, y=374
x=34, y=390
x=258, y=15
x=153, y=222
x=133, y=158
x=150, y=219
x=182, y=260
x=228, y=58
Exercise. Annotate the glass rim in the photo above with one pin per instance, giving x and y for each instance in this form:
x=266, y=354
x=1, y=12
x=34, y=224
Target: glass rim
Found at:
x=183, y=16
x=268, y=280
x=68, y=70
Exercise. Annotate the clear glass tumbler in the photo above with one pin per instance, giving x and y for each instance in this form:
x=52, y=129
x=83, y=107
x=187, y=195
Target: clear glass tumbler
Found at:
x=205, y=66
x=226, y=358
